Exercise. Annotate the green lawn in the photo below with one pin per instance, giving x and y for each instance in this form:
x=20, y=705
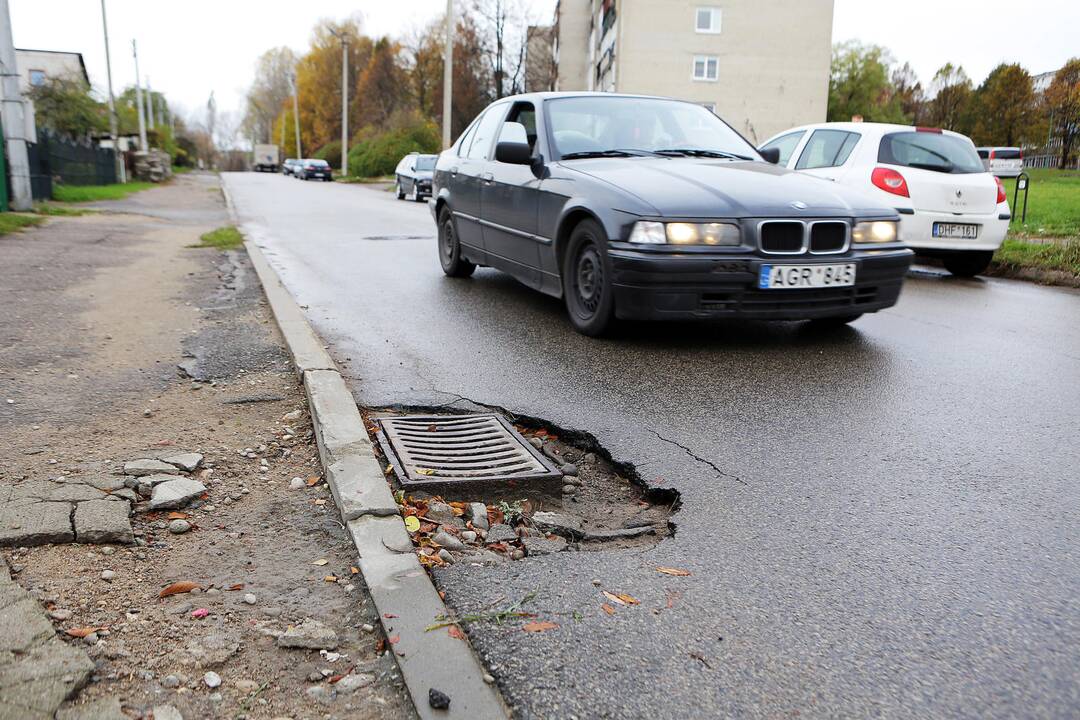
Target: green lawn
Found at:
x=92, y=193
x=224, y=238
x=10, y=221
x=1053, y=204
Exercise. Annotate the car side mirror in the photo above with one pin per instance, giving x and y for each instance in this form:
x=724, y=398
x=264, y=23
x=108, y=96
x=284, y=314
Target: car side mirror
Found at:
x=514, y=153
x=770, y=155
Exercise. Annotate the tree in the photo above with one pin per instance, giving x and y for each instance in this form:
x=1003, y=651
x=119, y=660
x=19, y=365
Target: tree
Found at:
x=318, y=80
x=470, y=74
x=1063, y=102
x=859, y=84
x=269, y=92
x=952, y=99
x=1005, y=104
x=909, y=93
x=501, y=27
x=65, y=105
x=383, y=88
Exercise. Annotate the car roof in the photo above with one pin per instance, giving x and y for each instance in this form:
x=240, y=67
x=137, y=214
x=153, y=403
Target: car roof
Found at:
x=552, y=95
x=863, y=128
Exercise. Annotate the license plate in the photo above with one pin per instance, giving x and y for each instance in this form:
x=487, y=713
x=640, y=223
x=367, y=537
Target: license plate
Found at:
x=956, y=230
x=787, y=277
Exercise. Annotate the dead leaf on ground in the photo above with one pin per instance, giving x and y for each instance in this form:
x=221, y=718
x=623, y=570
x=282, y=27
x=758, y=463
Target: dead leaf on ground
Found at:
x=354, y=570
x=673, y=571
x=608, y=609
x=424, y=471
x=394, y=639
x=313, y=480
x=330, y=578
x=455, y=632
x=81, y=632
x=629, y=599
x=235, y=587
x=540, y=626
x=320, y=562
x=320, y=501
x=614, y=598
x=178, y=516
x=389, y=616
x=380, y=646
x=181, y=586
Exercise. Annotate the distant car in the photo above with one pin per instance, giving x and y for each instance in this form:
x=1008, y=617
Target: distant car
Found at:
x=412, y=177
x=288, y=167
x=950, y=207
x=1005, y=162
x=649, y=208
x=309, y=168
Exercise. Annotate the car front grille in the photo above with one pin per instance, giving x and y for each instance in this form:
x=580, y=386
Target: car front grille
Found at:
x=828, y=237
x=782, y=238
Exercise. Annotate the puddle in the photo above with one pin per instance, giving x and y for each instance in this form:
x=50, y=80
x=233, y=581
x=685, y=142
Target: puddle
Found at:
x=597, y=504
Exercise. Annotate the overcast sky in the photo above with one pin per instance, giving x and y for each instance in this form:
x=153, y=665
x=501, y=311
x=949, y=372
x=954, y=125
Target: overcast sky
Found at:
x=191, y=47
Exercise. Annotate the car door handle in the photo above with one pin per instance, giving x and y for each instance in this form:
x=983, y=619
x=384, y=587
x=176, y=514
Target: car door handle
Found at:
x=489, y=178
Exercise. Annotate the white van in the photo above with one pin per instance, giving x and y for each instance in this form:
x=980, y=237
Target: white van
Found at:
x=1007, y=162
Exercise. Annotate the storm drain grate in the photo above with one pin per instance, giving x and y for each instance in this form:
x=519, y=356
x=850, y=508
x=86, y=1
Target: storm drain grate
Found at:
x=462, y=449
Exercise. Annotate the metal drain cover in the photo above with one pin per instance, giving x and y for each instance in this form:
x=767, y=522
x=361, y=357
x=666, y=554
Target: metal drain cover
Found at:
x=464, y=452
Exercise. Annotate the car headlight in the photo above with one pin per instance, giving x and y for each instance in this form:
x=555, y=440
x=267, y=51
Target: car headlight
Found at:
x=648, y=232
x=875, y=231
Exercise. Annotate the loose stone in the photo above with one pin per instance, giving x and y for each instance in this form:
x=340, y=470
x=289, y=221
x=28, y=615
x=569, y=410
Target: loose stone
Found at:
x=170, y=682
x=569, y=469
x=250, y=599
x=179, y=526
x=296, y=483
x=107, y=575
x=438, y=699
x=445, y=540
x=212, y=679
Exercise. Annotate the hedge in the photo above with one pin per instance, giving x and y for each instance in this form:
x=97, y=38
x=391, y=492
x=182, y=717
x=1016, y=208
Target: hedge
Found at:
x=331, y=153
x=379, y=155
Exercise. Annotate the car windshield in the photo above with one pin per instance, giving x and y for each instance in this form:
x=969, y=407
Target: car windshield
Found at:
x=599, y=125
x=425, y=162
x=930, y=151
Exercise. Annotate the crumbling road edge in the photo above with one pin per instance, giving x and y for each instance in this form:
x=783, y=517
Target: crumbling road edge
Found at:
x=404, y=595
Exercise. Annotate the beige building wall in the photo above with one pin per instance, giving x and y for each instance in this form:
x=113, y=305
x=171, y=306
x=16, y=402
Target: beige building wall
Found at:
x=572, y=44
x=773, y=58
x=47, y=64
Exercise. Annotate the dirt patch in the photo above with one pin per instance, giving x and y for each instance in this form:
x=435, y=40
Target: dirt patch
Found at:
x=93, y=373
x=601, y=505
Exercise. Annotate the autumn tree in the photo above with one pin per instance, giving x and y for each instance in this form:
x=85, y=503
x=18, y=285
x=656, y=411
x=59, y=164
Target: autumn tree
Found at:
x=318, y=80
x=470, y=74
x=383, y=87
x=269, y=93
x=908, y=91
x=1005, y=106
x=951, y=103
x=1063, y=103
x=859, y=84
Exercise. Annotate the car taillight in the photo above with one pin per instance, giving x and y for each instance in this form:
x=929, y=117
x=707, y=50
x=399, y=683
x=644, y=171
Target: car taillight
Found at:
x=1002, y=197
x=890, y=181
x=993, y=154
x=937, y=131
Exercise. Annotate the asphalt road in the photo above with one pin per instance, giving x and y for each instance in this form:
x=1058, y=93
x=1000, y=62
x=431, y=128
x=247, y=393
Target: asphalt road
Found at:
x=880, y=522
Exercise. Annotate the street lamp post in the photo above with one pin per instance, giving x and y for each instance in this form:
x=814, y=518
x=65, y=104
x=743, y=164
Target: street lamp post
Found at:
x=296, y=114
x=113, y=123
x=344, y=100
x=448, y=73
x=139, y=100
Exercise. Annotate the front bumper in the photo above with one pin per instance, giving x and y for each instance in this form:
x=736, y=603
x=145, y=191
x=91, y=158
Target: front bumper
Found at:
x=653, y=286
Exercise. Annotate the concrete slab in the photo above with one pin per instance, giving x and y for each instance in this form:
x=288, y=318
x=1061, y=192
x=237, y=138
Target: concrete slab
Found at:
x=103, y=521
x=185, y=461
x=149, y=467
x=175, y=493
x=106, y=708
x=36, y=523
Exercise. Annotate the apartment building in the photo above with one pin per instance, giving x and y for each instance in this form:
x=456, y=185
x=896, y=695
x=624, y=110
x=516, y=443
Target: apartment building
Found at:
x=762, y=65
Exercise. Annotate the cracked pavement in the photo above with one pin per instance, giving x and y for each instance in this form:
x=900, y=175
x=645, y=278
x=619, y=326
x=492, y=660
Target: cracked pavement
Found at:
x=879, y=521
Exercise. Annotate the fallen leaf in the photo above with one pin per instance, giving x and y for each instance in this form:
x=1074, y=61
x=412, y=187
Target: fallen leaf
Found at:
x=389, y=469
x=673, y=571
x=614, y=598
x=235, y=587
x=455, y=632
x=181, y=586
x=540, y=626
x=389, y=616
x=608, y=609
x=412, y=523
x=330, y=578
x=81, y=632
x=313, y=480
x=394, y=639
x=178, y=516
x=380, y=646
x=424, y=471
x=200, y=613
x=320, y=562
x=628, y=599
x=354, y=570
x=320, y=501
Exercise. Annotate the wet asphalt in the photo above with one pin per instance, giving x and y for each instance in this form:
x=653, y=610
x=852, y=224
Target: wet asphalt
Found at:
x=880, y=521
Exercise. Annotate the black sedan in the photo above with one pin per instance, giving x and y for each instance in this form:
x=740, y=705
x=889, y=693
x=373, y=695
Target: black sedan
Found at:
x=412, y=176
x=309, y=168
x=649, y=208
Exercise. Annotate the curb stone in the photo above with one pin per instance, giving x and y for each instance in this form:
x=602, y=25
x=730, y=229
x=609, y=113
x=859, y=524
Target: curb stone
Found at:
x=401, y=589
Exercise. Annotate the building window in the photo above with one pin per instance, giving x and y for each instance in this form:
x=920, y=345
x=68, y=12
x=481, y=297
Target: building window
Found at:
x=37, y=77
x=707, y=20
x=706, y=67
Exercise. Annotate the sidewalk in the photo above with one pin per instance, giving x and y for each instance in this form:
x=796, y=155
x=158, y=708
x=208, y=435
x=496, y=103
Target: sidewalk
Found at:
x=101, y=311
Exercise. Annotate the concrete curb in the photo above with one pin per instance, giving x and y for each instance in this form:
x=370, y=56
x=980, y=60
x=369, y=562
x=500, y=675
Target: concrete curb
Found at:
x=400, y=587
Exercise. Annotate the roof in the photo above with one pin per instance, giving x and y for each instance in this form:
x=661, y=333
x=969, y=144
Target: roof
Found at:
x=82, y=63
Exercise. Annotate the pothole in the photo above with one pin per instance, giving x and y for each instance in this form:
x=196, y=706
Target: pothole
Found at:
x=490, y=489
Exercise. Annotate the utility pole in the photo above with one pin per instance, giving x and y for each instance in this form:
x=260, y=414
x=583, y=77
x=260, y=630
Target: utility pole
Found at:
x=344, y=99
x=14, y=117
x=296, y=115
x=121, y=171
x=138, y=100
x=448, y=74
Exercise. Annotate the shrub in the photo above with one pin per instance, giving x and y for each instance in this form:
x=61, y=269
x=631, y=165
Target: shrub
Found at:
x=331, y=153
x=380, y=154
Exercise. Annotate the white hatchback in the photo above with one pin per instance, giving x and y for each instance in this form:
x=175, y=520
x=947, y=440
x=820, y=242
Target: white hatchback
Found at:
x=949, y=206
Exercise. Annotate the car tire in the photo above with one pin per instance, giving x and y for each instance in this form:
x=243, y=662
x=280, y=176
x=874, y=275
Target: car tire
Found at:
x=453, y=264
x=400, y=192
x=587, y=280
x=968, y=264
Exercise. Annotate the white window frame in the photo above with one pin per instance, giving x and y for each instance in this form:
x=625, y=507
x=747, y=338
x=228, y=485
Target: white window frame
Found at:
x=35, y=72
x=706, y=59
x=716, y=19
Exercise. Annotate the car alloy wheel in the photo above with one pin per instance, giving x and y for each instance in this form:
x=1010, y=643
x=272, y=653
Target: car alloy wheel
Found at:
x=587, y=288
x=450, y=248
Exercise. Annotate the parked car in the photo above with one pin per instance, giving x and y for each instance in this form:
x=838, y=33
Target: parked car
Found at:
x=412, y=177
x=1005, y=162
x=288, y=167
x=650, y=208
x=949, y=206
x=309, y=168
x=266, y=158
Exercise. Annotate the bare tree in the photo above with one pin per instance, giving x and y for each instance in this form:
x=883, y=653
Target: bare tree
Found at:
x=269, y=92
x=503, y=27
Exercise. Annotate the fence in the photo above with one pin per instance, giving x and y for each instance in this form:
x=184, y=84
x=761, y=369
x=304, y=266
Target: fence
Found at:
x=71, y=162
